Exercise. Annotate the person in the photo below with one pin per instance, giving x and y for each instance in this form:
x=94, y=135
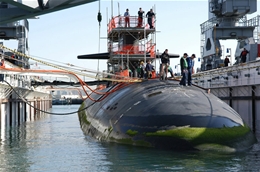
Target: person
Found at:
x=165, y=63
x=226, y=61
x=140, y=17
x=190, y=68
x=184, y=65
x=150, y=14
x=149, y=68
x=243, y=55
x=127, y=18
x=130, y=71
x=171, y=72
x=142, y=70
x=2, y=64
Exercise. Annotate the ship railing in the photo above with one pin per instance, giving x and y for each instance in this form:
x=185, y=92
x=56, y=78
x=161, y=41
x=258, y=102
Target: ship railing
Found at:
x=214, y=21
x=135, y=49
x=208, y=24
x=119, y=22
x=151, y=49
x=252, y=66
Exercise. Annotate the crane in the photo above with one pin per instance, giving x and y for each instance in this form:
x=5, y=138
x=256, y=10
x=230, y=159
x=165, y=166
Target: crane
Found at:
x=227, y=20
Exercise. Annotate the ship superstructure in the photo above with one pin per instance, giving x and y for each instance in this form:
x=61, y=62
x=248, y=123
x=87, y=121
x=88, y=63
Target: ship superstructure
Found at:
x=228, y=20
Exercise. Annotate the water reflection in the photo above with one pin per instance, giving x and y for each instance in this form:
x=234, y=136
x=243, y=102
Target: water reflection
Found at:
x=56, y=143
x=145, y=159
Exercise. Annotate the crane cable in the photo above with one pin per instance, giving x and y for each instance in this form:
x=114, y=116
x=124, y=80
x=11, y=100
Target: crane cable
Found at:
x=99, y=18
x=40, y=110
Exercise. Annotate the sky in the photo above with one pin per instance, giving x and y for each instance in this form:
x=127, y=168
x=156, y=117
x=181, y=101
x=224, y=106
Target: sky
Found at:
x=63, y=35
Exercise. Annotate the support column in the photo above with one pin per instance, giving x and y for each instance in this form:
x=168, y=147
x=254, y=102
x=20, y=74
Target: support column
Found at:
x=3, y=117
x=40, y=107
x=18, y=113
x=32, y=110
x=15, y=113
x=2, y=125
x=28, y=112
x=21, y=113
x=36, y=111
x=253, y=109
x=7, y=115
x=230, y=96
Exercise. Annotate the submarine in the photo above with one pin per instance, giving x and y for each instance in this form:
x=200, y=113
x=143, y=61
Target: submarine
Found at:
x=165, y=115
x=156, y=113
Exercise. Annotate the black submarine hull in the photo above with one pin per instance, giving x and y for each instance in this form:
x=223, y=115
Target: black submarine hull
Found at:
x=164, y=115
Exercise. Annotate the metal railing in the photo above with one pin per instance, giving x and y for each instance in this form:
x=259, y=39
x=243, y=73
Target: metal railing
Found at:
x=119, y=22
x=214, y=21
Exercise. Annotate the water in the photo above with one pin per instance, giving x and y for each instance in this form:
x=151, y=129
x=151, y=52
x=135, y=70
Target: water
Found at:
x=56, y=144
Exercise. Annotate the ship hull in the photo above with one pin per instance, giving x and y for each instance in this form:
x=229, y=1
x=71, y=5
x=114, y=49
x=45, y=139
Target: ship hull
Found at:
x=166, y=116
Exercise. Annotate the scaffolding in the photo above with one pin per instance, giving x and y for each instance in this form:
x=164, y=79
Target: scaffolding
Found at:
x=128, y=46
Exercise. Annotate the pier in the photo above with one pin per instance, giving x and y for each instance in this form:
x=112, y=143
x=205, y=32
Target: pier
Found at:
x=238, y=86
x=15, y=110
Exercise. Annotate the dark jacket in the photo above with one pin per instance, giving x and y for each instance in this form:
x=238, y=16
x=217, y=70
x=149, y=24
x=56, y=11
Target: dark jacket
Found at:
x=244, y=53
x=149, y=15
x=140, y=14
x=149, y=67
x=226, y=61
x=190, y=62
x=165, y=58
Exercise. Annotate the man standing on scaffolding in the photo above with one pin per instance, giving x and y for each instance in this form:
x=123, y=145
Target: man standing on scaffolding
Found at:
x=150, y=16
x=140, y=17
x=127, y=18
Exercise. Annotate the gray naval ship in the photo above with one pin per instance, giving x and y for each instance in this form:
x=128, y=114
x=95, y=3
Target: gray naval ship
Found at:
x=156, y=113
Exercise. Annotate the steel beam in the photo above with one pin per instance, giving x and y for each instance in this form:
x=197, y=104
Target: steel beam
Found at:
x=15, y=11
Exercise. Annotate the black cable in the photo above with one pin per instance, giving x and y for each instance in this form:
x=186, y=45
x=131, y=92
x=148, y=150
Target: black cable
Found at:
x=69, y=113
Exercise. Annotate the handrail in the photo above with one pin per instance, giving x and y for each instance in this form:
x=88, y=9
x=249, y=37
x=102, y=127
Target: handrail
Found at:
x=213, y=21
x=224, y=70
x=119, y=22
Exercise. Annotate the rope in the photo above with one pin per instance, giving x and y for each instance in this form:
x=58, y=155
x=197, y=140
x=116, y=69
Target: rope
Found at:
x=28, y=103
x=122, y=78
x=65, y=71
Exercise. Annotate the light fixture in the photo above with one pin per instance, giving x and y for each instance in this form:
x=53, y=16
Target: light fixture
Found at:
x=2, y=33
x=233, y=34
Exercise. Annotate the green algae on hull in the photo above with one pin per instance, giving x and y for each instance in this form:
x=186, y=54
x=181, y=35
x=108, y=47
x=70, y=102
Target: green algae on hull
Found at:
x=131, y=132
x=82, y=114
x=204, y=135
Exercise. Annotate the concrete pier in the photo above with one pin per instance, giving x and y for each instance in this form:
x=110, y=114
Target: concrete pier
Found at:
x=238, y=86
x=245, y=100
x=15, y=110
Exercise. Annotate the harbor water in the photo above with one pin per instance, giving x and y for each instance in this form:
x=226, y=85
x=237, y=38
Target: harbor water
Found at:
x=55, y=143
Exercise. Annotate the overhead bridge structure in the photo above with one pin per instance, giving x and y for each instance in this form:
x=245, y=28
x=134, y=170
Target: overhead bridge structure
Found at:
x=20, y=100
x=14, y=10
